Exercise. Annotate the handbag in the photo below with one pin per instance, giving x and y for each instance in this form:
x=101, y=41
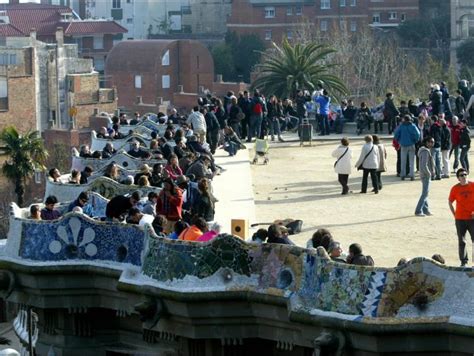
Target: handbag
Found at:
x=367, y=155
x=347, y=149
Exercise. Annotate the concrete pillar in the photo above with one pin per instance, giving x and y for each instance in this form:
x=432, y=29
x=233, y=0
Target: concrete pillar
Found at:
x=59, y=36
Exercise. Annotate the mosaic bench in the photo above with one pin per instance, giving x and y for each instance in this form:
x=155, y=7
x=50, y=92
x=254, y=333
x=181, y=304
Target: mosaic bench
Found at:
x=98, y=144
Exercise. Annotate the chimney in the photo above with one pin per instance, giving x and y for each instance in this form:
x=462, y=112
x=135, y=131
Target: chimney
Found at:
x=59, y=36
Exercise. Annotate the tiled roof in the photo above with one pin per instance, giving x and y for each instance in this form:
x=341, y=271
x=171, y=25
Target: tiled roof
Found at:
x=7, y=30
x=91, y=27
x=47, y=18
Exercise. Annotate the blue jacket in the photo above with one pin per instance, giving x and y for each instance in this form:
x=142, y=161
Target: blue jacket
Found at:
x=407, y=134
x=323, y=102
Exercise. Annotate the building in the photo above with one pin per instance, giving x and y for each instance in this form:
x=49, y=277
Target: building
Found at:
x=153, y=70
x=462, y=24
x=94, y=38
x=274, y=20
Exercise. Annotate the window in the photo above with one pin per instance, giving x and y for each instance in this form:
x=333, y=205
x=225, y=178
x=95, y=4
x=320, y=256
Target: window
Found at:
x=138, y=81
x=323, y=26
x=353, y=26
x=165, y=81
x=376, y=18
x=38, y=176
x=342, y=25
x=7, y=59
x=129, y=20
x=325, y=4
x=165, y=60
x=342, y=3
x=403, y=17
x=268, y=35
x=353, y=2
x=98, y=42
x=289, y=34
x=289, y=11
x=269, y=12
x=116, y=4
x=298, y=10
x=392, y=15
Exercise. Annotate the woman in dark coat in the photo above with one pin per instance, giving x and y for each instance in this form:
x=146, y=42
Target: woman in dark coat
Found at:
x=204, y=204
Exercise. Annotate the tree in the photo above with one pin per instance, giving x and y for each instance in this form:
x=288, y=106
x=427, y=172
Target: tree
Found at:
x=288, y=68
x=25, y=154
x=224, y=61
x=464, y=53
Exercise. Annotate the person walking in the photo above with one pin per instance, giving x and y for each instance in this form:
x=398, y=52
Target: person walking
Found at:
x=382, y=159
x=463, y=195
x=342, y=166
x=390, y=112
x=445, y=147
x=465, y=145
x=407, y=135
x=369, y=163
x=426, y=172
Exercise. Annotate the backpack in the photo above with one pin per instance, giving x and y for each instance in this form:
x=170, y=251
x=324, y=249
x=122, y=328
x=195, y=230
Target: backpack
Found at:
x=257, y=108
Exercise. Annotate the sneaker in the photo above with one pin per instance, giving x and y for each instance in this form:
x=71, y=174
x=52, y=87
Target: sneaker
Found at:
x=412, y=178
x=280, y=139
x=403, y=178
x=428, y=213
x=445, y=176
x=420, y=214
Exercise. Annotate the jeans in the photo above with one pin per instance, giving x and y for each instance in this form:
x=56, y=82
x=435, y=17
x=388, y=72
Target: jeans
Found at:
x=392, y=123
x=436, y=153
x=422, y=206
x=379, y=179
x=378, y=126
x=463, y=226
x=343, y=179
x=231, y=148
x=455, y=149
x=410, y=152
x=323, y=125
x=445, y=158
x=339, y=125
x=373, y=177
x=275, y=127
x=237, y=128
x=255, y=126
x=465, y=158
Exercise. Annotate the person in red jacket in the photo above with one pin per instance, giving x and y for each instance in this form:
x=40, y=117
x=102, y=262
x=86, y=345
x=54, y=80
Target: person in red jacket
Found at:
x=169, y=204
x=455, y=141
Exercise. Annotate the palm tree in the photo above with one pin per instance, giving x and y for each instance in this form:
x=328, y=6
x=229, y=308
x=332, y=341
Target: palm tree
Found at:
x=25, y=154
x=286, y=69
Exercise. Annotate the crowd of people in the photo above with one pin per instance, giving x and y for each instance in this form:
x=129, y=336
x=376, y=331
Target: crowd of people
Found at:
x=426, y=137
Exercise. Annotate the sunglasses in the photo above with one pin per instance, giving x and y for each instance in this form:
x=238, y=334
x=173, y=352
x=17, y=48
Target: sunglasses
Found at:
x=463, y=175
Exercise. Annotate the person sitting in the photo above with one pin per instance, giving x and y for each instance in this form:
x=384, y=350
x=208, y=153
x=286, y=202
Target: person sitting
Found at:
x=119, y=205
x=159, y=224
x=232, y=142
x=75, y=177
x=136, y=151
x=192, y=233
x=186, y=161
x=260, y=236
x=150, y=205
x=335, y=252
x=85, y=174
x=156, y=179
x=85, y=152
x=136, y=119
x=438, y=258
x=135, y=216
x=317, y=237
x=178, y=228
x=278, y=234
x=123, y=119
x=172, y=168
x=144, y=171
x=357, y=258
x=35, y=212
x=48, y=212
x=210, y=234
x=81, y=202
x=97, y=154
x=200, y=168
x=108, y=150
x=54, y=175
x=102, y=133
x=143, y=182
x=112, y=172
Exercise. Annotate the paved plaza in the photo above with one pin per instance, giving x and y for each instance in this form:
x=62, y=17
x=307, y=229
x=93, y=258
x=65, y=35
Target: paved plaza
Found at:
x=300, y=183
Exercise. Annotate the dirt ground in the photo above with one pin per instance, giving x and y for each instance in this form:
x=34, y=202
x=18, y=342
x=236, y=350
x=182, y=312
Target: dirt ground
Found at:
x=300, y=183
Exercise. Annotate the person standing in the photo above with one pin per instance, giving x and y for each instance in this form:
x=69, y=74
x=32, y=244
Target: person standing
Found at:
x=323, y=101
x=343, y=164
x=390, y=112
x=256, y=118
x=382, y=159
x=198, y=123
x=455, y=141
x=463, y=194
x=426, y=171
x=445, y=147
x=369, y=162
x=407, y=135
x=465, y=145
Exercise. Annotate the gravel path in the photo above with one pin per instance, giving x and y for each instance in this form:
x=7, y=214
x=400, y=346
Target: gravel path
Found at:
x=300, y=183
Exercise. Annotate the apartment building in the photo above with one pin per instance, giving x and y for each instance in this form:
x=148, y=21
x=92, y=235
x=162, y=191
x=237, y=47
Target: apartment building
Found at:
x=462, y=24
x=274, y=20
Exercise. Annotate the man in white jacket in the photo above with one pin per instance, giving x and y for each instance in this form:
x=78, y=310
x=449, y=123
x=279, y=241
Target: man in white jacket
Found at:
x=342, y=166
x=369, y=162
x=198, y=123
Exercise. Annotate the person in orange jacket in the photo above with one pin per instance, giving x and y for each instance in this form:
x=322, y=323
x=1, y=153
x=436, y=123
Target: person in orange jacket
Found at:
x=195, y=231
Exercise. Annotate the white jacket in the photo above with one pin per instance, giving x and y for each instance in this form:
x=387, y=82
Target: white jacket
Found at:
x=372, y=160
x=197, y=121
x=343, y=166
